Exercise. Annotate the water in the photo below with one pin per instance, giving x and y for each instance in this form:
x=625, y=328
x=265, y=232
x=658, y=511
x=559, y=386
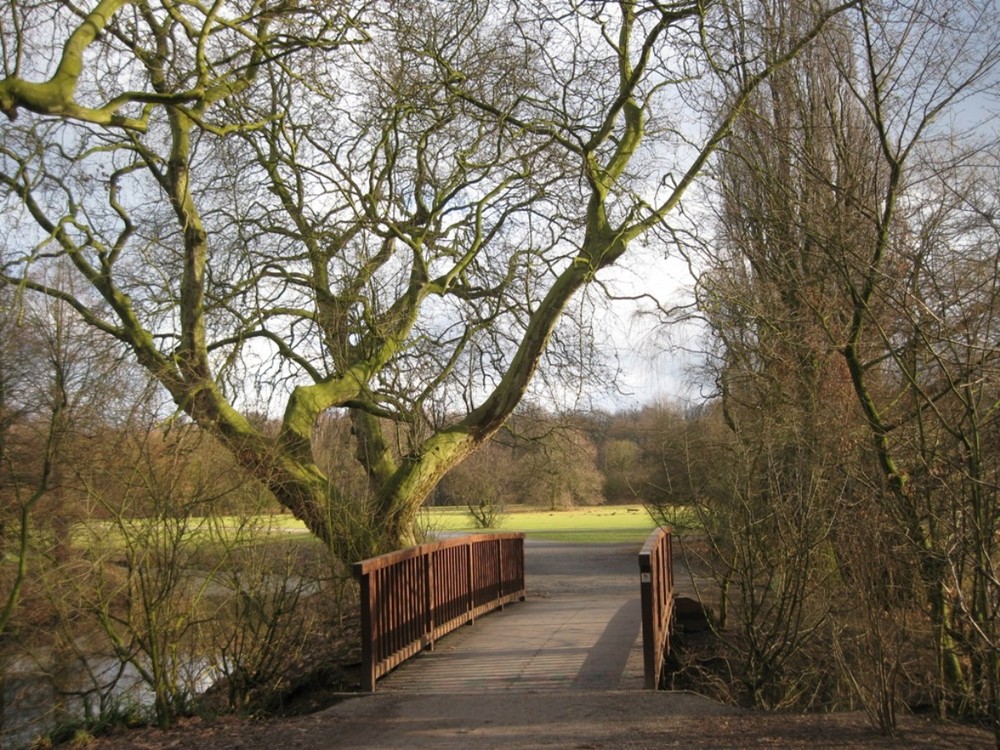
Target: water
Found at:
x=45, y=690
x=39, y=697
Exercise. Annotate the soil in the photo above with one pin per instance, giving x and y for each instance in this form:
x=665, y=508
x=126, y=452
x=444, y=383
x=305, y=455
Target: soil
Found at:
x=845, y=730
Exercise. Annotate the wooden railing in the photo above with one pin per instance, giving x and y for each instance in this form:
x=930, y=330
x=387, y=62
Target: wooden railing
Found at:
x=656, y=583
x=414, y=596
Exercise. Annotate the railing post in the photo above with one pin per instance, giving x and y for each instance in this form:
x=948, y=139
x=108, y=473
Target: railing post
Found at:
x=499, y=571
x=656, y=587
x=471, y=582
x=670, y=560
x=648, y=623
x=368, y=635
x=520, y=566
x=430, y=599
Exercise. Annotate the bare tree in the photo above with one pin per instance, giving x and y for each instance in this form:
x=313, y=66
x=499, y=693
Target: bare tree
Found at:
x=350, y=206
x=56, y=383
x=860, y=278
x=18, y=498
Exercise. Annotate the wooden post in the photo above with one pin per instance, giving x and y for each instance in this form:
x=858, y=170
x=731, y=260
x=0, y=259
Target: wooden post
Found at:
x=430, y=599
x=499, y=571
x=367, y=634
x=471, y=581
x=519, y=558
x=656, y=587
x=649, y=666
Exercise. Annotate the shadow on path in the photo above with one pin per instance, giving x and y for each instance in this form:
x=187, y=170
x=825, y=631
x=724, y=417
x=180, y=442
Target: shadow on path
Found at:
x=608, y=658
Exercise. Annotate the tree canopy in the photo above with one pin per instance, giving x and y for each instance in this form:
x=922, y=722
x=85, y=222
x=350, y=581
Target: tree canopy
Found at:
x=379, y=207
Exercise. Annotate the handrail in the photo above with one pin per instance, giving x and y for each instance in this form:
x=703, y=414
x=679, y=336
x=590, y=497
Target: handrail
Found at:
x=656, y=585
x=412, y=597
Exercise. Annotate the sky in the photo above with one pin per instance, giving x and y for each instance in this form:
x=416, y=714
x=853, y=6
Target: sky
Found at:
x=658, y=361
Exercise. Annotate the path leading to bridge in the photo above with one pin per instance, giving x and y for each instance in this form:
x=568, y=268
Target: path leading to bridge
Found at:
x=561, y=670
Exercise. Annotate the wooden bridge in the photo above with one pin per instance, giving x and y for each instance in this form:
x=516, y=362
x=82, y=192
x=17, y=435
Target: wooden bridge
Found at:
x=579, y=628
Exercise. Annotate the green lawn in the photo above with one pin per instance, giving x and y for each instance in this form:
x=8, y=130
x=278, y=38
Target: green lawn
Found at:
x=591, y=525
x=611, y=523
x=207, y=532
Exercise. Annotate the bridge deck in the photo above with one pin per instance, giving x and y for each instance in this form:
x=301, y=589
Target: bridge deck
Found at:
x=579, y=630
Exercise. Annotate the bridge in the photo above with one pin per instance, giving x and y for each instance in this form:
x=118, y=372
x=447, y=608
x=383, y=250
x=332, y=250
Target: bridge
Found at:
x=564, y=668
x=596, y=617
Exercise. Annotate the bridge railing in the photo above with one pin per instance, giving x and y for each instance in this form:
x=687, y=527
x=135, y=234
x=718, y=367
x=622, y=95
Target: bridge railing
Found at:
x=412, y=597
x=656, y=584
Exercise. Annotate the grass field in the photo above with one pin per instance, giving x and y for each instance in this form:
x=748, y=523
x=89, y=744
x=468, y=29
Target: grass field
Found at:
x=611, y=523
x=585, y=525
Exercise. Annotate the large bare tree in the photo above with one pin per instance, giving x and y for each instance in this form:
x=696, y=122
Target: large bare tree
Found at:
x=855, y=300
x=380, y=207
